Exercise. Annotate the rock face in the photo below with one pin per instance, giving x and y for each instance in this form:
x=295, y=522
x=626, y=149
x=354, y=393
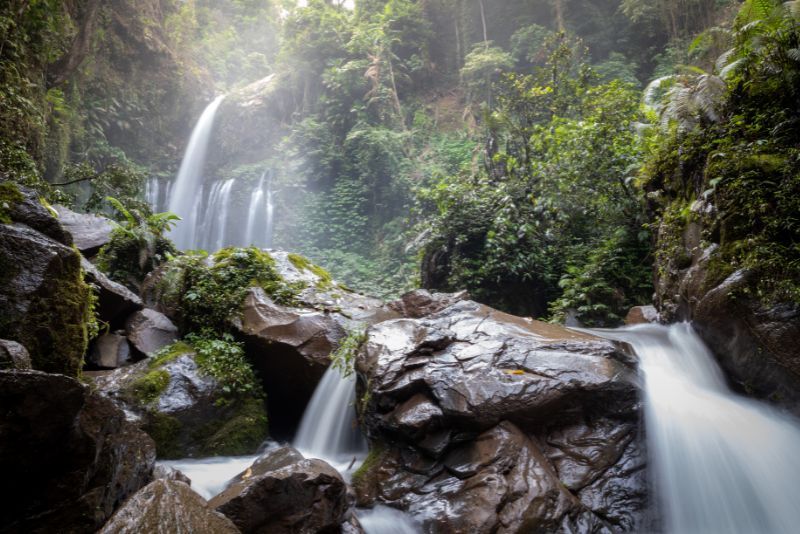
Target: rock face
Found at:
x=109, y=351
x=150, y=331
x=44, y=303
x=13, y=355
x=288, y=342
x=641, y=315
x=89, y=232
x=185, y=411
x=485, y=422
x=115, y=302
x=284, y=493
x=755, y=342
x=68, y=455
x=167, y=507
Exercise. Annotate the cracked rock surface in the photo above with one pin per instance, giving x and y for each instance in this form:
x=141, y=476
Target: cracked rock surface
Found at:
x=485, y=422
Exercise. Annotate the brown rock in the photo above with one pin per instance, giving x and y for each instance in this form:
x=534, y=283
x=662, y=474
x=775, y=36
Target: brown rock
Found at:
x=148, y=331
x=304, y=496
x=641, y=315
x=285, y=342
x=167, y=507
x=69, y=454
x=486, y=422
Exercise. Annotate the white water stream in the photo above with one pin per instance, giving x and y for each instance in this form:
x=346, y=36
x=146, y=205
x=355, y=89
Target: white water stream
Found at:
x=329, y=429
x=721, y=463
x=190, y=177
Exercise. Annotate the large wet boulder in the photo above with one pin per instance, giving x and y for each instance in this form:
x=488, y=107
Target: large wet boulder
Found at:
x=44, y=302
x=167, y=507
x=150, y=331
x=67, y=455
x=480, y=421
x=287, y=342
x=89, y=232
x=187, y=411
x=284, y=493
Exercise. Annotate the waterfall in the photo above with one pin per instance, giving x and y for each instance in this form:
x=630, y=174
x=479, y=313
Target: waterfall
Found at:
x=722, y=463
x=218, y=212
x=270, y=213
x=256, y=203
x=190, y=177
x=151, y=190
x=329, y=430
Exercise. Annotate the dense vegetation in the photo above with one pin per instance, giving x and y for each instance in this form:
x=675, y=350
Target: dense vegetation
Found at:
x=509, y=148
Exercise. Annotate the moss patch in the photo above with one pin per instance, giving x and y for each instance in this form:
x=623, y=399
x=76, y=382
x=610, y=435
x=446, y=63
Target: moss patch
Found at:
x=9, y=196
x=169, y=353
x=165, y=431
x=240, y=433
x=363, y=477
x=149, y=388
x=301, y=263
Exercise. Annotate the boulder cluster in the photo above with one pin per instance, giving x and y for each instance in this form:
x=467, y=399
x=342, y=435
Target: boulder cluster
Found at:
x=478, y=421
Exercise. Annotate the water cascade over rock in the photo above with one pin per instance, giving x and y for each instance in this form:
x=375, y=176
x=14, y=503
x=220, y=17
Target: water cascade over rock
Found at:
x=187, y=188
x=329, y=429
x=722, y=463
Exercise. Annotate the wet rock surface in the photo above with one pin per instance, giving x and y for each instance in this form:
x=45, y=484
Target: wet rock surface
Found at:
x=642, y=315
x=13, y=355
x=185, y=411
x=755, y=342
x=168, y=507
x=115, y=302
x=288, y=342
x=109, y=351
x=43, y=300
x=69, y=455
x=485, y=422
x=89, y=232
x=149, y=331
x=282, y=492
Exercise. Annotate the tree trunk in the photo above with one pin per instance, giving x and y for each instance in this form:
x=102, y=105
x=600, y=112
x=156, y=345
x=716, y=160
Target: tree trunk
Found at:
x=559, y=12
x=69, y=63
x=483, y=21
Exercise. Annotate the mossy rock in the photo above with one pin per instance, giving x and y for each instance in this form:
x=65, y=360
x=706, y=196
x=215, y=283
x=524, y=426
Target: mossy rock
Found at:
x=188, y=403
x=44, y=302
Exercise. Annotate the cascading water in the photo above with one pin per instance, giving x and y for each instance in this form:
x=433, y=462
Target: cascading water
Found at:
x=190, y=176
x=270, y=214
x=722, y=463
x=256, y=203
x=329, y=429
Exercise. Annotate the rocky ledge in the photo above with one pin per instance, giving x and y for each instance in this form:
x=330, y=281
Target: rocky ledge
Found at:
x=484, y=422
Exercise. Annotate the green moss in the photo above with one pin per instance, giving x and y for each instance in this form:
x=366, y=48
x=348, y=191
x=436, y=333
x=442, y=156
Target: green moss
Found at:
x=56, y=329
x=361, y=476
x=165, y=431
x=208, y=296
x=301, y=263
x=240, y=433
x=149, y=388
x=169, y=353
x=9, y=196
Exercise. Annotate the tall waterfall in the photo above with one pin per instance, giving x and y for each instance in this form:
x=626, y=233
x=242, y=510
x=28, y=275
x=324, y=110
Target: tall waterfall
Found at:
x=722, y=463
x=187, y=186
x=329, y=430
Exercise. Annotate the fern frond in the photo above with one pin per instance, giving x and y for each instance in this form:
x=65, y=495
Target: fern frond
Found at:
x=117, y=205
